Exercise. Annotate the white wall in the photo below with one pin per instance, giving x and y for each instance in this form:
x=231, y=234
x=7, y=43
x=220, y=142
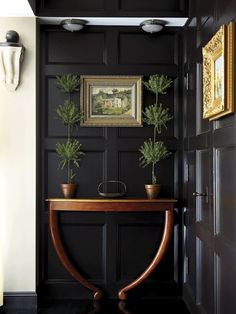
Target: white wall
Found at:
x=18, y=165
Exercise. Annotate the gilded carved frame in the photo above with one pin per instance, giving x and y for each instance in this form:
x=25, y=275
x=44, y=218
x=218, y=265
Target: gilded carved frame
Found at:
x=218, y=73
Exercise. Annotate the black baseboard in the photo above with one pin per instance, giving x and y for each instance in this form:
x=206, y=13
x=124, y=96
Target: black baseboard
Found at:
x=20, y=300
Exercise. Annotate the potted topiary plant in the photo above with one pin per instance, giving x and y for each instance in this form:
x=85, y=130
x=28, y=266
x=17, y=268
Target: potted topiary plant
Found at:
x=69, y=153
x=153, y=151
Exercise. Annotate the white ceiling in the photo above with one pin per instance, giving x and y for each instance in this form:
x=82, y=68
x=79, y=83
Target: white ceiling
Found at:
x=15, y=8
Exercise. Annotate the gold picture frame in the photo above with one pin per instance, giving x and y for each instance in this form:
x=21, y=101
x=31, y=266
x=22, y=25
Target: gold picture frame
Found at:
x=218, y=73
x=111, y=101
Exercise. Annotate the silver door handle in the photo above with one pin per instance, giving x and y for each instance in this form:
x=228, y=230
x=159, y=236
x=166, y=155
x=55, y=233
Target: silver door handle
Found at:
x=196, y=194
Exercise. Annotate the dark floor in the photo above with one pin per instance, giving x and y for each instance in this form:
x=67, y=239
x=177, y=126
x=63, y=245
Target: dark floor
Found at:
x=108, y=307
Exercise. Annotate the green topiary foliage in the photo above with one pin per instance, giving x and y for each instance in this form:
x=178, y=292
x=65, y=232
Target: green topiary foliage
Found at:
x=158, y=84
x=69, y=153
x=68, y=83
x=153, y=151
x=157, y=116
x=69, y=114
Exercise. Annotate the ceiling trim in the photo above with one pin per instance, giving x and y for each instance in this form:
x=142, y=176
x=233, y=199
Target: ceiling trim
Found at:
x=115, y=21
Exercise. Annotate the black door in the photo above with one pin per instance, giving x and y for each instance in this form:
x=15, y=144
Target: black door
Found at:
x=209, y=180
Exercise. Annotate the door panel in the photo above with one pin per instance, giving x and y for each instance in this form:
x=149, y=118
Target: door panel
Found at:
x=225, y=281
x=203, y=213
x=190, y=265
x=225, y=202
x=189, y=223
x=205, y=278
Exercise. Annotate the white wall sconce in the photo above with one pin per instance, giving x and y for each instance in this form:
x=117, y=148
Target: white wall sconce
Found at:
x=152, y=26
x=11, y=56
x=73, y=25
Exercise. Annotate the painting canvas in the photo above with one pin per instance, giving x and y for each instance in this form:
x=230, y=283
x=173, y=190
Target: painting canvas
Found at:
x=218, y=77
x=109, y=101
x=218, y=74
x=113, y=101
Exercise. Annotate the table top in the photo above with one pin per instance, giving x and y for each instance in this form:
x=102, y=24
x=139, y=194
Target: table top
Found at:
x=111, y=205
x=111, y=200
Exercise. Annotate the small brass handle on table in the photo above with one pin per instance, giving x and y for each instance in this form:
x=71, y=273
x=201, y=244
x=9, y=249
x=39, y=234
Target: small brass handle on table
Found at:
x=112, y=194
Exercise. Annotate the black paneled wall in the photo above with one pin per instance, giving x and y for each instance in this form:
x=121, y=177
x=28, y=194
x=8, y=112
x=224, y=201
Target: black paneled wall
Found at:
x=112, y=8
x=110, y=249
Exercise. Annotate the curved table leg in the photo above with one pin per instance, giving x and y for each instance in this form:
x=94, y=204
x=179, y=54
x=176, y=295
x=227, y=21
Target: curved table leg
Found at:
x=169, y=219
x=53, y=225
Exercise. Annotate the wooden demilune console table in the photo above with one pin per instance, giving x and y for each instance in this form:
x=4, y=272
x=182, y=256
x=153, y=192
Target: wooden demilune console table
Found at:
x=110, y=205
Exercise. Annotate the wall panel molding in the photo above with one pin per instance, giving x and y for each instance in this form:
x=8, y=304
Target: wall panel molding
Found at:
x=150, y=52
x=112, y=8
x=63, y=48
x=130, y=238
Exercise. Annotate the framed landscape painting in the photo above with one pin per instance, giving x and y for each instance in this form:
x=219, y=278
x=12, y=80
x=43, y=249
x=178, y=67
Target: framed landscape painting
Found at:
x=111, y=101
x=218, y=74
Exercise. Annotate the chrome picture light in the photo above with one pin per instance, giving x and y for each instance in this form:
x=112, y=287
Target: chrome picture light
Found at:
x=152, y=26
x=73, y=25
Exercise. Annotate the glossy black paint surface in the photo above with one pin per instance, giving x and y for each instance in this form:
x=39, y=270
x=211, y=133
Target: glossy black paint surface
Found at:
x=209, y=166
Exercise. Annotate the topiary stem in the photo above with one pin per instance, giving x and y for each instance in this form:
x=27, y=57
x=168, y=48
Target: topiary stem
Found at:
x=68, y=132
x=69, y=96
x=153, y=173
x=68, y=172
x=156, y=98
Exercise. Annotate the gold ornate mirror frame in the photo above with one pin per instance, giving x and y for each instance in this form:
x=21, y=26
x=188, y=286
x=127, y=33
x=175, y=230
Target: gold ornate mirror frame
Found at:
x=218, y=73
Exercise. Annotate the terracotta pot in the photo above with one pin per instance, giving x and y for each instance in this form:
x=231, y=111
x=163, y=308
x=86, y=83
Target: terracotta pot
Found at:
x=68, y=189
x=152, y=190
